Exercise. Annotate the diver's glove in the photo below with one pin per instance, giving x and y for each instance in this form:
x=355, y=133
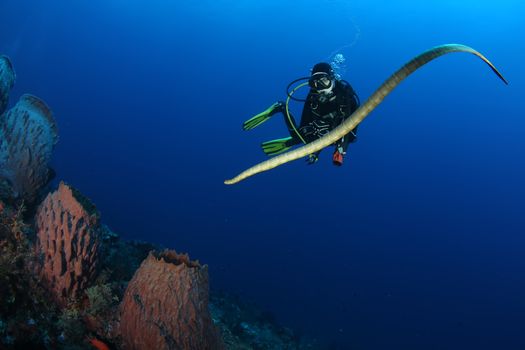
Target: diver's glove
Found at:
x=337, y=158
x=312, y=159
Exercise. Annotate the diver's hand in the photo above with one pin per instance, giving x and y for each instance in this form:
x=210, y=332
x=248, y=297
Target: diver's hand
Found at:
x=312, y=159
x=337, y=158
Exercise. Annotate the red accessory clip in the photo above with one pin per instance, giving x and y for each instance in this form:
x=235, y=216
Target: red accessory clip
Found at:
x=337, y=158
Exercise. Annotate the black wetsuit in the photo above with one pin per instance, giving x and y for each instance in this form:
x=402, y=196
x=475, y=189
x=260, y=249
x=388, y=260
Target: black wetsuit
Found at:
x=321, y=115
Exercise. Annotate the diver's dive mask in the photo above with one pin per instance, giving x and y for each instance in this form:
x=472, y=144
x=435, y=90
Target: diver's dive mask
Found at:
x=321, y=82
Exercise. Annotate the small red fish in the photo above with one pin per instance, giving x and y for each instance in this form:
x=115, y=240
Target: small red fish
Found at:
x=98, y=344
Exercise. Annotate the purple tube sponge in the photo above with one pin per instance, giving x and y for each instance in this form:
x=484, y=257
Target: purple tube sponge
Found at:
x=7, y=80
x=28, y=134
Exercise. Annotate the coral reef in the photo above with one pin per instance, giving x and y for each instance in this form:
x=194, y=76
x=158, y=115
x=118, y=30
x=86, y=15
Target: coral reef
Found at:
x=7, y=80
x=28, y=135
x=31, y=318
x=166, y=306
x=68, y=238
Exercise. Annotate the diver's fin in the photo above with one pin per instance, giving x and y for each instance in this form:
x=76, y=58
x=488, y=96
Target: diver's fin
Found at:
x=262, y=117
x=276, y=146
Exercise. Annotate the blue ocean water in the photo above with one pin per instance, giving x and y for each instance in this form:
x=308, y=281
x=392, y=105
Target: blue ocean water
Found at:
x=417, y=242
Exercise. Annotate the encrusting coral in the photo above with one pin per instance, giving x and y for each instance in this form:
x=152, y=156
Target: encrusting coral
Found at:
x=25, y=312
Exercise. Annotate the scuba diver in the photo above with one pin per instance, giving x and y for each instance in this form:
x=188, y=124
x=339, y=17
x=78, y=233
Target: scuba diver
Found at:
x=328, y=103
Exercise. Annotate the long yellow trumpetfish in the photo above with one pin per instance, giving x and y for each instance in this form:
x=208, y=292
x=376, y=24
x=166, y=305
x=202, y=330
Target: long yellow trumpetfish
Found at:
x=362, y=112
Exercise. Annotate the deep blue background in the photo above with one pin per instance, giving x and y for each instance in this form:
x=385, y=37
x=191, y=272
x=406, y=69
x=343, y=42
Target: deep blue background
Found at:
x=417, y=242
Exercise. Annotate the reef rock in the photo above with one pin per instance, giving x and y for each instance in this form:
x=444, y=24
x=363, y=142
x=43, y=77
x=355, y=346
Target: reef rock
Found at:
x=7, y=80
x=28, y=135
x=68, y=238
x=165, y=306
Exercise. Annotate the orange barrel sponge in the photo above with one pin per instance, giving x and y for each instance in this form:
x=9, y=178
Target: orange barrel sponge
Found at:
x=165, y=306
x=68, y=239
